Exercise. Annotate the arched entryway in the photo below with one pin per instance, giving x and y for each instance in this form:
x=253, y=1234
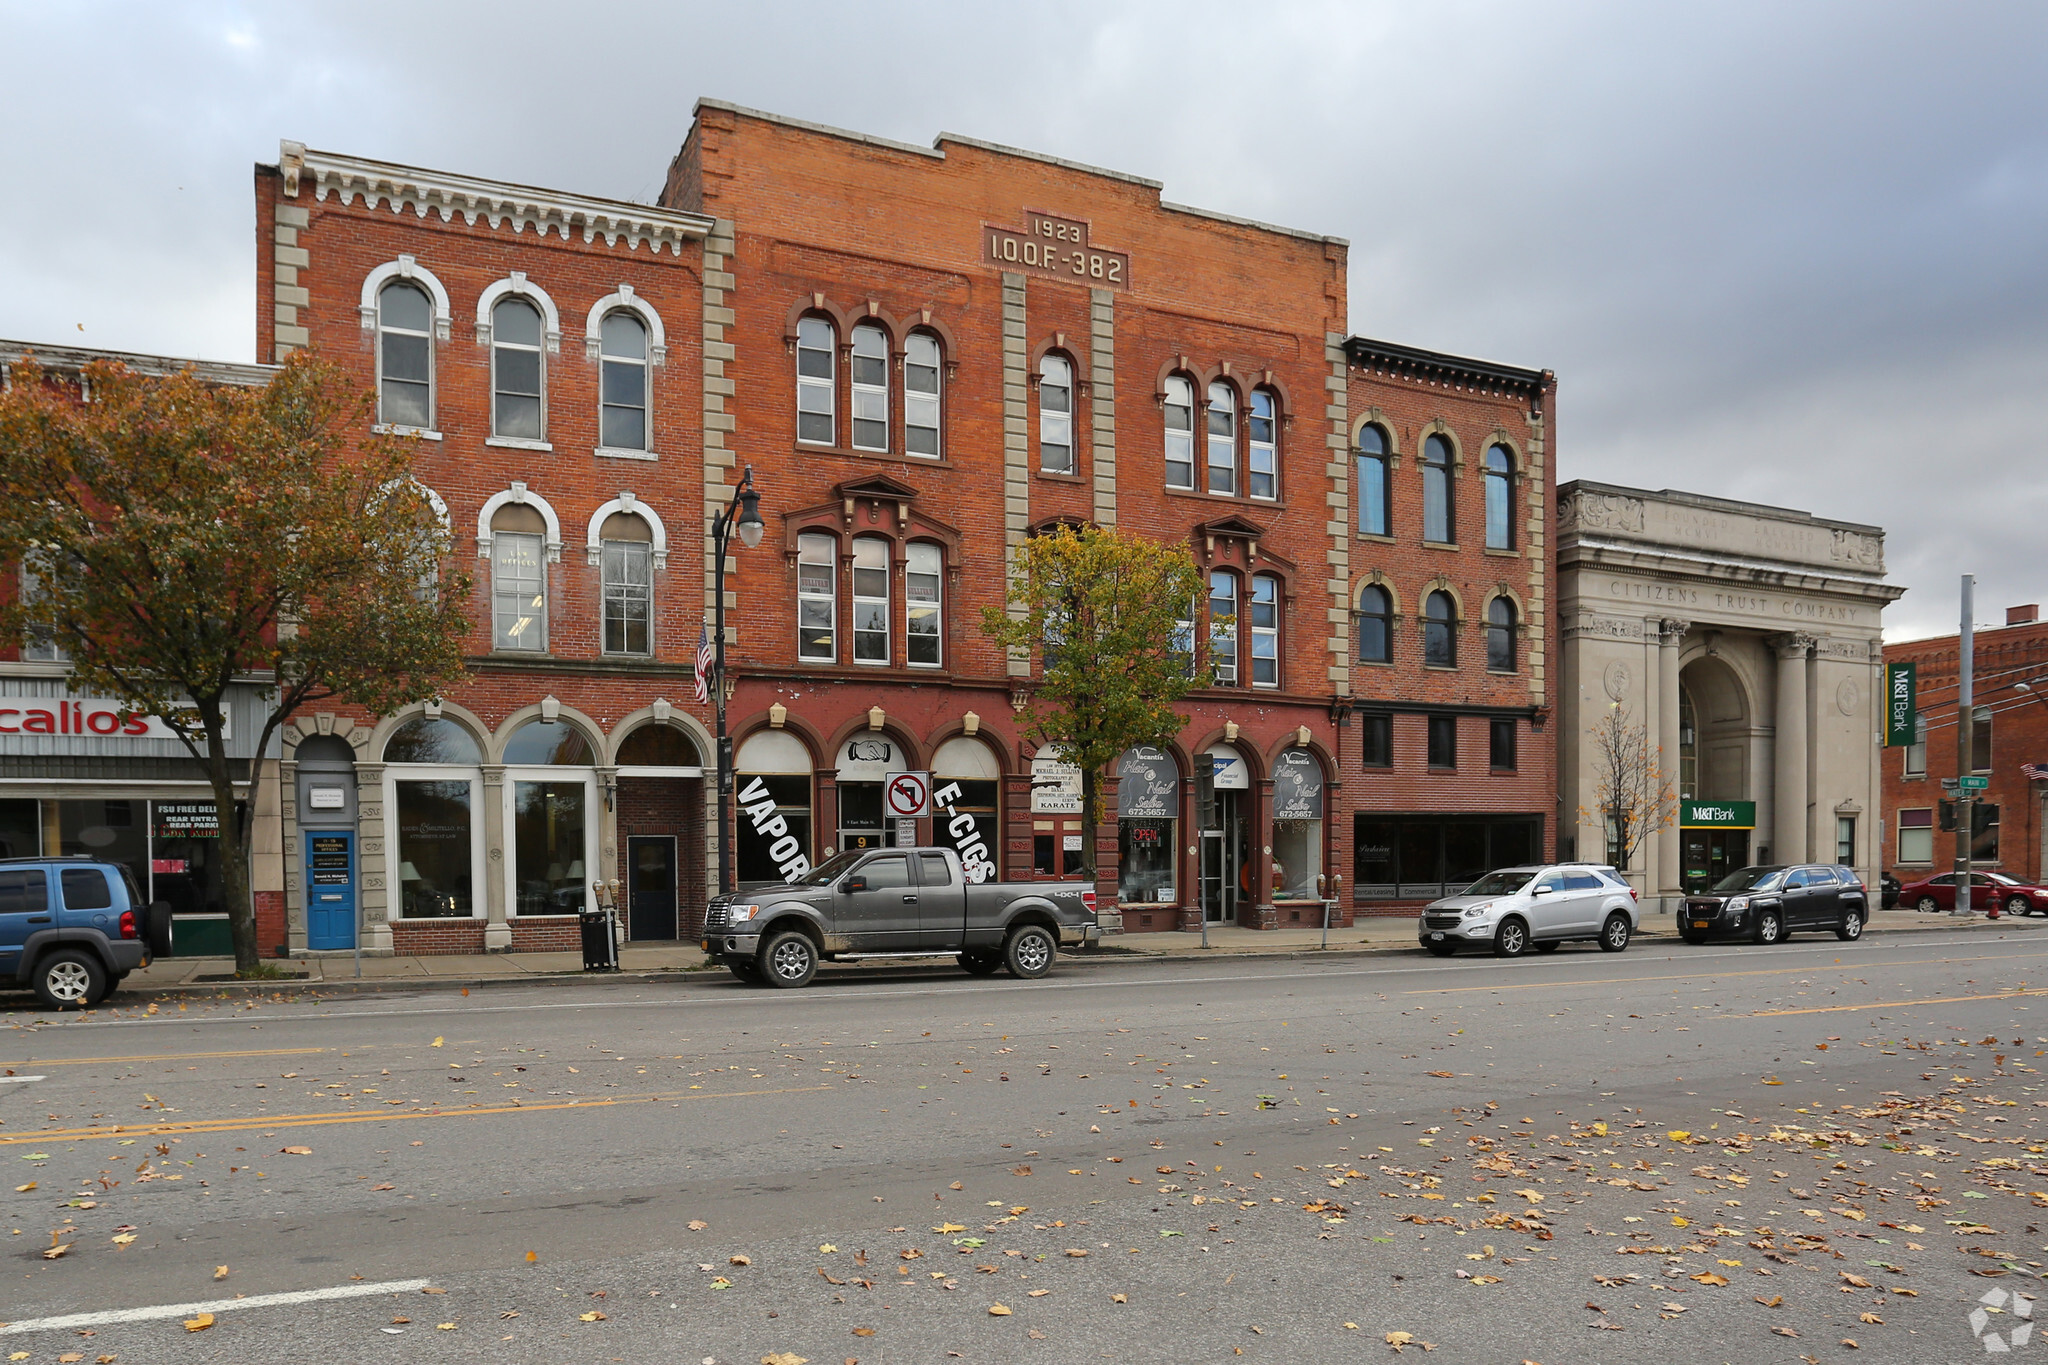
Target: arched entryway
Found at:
x=1716, y=812
x=659, y=807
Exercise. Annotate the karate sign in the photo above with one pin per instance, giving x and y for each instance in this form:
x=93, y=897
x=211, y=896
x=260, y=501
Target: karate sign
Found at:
x=908, y=796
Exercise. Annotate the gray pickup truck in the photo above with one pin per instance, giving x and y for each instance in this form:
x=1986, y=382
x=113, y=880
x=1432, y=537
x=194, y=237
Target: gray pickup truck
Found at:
x=896, y=902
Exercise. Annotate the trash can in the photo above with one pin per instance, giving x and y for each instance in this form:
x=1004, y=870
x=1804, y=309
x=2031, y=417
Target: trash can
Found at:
x=600, y=945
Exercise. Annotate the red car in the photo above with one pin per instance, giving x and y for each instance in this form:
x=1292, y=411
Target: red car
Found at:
x=1986, y=889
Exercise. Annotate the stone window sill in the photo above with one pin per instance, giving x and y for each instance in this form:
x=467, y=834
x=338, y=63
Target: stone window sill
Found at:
x=1505, y=554
x=519, y=443
x=1440, y=545
x=613, y=453
x=386, y=429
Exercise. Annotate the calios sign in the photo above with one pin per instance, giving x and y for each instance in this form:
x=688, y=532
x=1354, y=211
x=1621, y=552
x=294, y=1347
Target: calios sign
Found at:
x=92, y=717
x=1057, y=248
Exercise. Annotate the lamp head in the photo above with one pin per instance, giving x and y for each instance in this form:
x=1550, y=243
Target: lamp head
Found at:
x=750, y=524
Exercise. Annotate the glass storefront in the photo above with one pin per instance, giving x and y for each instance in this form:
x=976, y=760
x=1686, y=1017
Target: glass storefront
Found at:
x=1421, y=857
x=548, y=839
x=171, y=848
x=434, y=850
x=772, y=818
x=966, y=790
x=1297, y=825
x=1148, y=811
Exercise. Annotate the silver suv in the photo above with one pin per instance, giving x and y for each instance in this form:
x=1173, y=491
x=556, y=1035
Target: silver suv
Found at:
x=1517, y=908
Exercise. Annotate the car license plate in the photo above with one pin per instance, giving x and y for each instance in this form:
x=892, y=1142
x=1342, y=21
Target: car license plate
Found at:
x=1437, y=937
x=1699, y=924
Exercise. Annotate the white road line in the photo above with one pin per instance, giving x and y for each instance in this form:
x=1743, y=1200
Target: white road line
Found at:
x=21, y=1080
x=193, y=1310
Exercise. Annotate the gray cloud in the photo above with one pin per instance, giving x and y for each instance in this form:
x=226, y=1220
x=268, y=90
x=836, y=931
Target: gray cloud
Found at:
x=1789, y=253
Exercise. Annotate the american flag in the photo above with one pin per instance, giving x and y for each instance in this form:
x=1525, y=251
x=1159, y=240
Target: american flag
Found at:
x=705, y=656
x=2036, y=771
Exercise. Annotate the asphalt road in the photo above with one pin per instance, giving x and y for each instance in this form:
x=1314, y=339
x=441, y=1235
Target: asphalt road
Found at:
x=1284, y=1161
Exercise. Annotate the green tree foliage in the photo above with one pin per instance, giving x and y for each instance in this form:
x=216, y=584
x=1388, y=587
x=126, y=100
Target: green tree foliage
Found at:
x=1105, y=612
x=180, y=537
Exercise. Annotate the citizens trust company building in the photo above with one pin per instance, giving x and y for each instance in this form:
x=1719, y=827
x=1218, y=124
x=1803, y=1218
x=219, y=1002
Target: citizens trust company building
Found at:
x=926, y=355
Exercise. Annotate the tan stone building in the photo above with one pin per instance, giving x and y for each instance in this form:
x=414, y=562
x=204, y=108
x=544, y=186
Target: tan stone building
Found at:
x=1745, y=641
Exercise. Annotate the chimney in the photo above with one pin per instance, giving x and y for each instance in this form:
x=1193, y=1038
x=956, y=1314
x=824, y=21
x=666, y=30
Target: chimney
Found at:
x=2023, y=616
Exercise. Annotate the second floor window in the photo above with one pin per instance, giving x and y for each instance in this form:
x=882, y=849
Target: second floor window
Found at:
x=870, y=600
x=1443, y=741
x=624, y=417
x=516, y=370
x=1223, y=627
x=1500, y=499
x=1222, y=439
x=405, y=356
x=1500, y=635
x=1184, y=638
x=870, y=388
x=816, y=598
x=1375, y=625
x=1916, y=752
x=1373, y=482
x=628, y=568
x=1265, y=632
x=921, y=396
x=1263, y=452
x=1055, y=415
x=1180, y=433
x=1376, y=739
x=1500, y=745
x=1438, y=524
x=37, y=646
x=922, y=627
x=1980, y=741
x=816, y=407
x=1439, y=631
x=519, y=590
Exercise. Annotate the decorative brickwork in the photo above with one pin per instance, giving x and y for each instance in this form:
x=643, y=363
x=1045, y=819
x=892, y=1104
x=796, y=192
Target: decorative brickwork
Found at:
x=411, y=938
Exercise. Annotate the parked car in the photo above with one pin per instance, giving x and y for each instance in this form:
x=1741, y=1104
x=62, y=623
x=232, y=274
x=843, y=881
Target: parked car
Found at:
x=1931, y=894
x=72, y=928
x=1539, y=906
x=896, y=902
x=1888, y=891
x=1766, y=904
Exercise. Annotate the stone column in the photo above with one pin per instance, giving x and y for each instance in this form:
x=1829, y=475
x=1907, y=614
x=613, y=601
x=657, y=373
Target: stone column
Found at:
x=374, y=826
x=1669, y=634
x=497, y=932
x=1789, y=819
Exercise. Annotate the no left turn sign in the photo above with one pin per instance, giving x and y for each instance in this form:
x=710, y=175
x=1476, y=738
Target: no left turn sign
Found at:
x=908, y=794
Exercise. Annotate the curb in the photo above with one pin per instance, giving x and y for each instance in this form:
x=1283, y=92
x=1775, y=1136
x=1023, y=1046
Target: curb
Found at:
x=1120, y=955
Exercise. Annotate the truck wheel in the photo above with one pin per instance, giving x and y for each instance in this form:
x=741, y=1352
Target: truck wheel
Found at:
x=746, y=972
x=979, y=964
x=68, y=979
x=789, y=959
x=1029, y=951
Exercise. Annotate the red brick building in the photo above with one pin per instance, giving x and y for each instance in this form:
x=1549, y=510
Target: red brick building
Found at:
x=926, y=354
x=2009, y=733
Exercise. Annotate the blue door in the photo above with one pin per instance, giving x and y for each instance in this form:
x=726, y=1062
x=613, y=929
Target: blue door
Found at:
x=330, y=889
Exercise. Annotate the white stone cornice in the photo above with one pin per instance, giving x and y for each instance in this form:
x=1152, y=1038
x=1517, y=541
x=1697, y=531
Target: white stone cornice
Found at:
x=408, y=189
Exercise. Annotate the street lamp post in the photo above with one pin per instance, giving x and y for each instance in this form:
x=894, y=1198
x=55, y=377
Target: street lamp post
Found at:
x=744, y=514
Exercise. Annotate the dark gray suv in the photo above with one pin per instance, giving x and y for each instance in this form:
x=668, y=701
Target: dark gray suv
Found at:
x=1766, y=904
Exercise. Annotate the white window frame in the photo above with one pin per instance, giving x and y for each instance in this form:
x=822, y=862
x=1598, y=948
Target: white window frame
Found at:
x=539, y=352
x=933, y=606
x=384, y=330
x=593, y=816
x=624, y=594
x=825, y=385
x=808, y=543
x=1223, y=660
x=499, y=594
x=924, y=408
x=405, y=267
x=855, y=569
x=1179, y=447
x=1056, y=427
x=870, y=400
x=394, y=773
x=1220, y=442
x=1915, y=758
x=1265, y=640
x=644, y=365
x=1925, y=832
x=32, y=650
x=1375, y=467
x=1262, y=457
x=1504, y=477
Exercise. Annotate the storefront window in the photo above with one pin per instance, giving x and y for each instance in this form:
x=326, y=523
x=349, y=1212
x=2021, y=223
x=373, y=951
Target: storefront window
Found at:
x=547, y=831
x=185, y=856
x=773, y=821
x=1148, y=809
x=1297, y=825
x=1422, y=856
x=21, y=830
x=865, y=763
x=966, y=783
x=434, y=863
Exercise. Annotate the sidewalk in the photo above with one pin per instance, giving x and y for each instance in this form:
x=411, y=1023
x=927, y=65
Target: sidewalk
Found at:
x=653, y=961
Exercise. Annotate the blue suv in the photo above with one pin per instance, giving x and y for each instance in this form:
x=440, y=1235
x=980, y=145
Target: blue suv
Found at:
x=72, y=928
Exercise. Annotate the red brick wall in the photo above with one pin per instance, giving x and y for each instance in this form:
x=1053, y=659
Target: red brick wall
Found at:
x=270, y=924
x=417, y=937
x=672, y=806
x=547, y=934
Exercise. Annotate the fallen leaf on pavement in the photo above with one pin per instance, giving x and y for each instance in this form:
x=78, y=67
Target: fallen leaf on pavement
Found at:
x=220, y=1272
x=24, y=1189
x=383, y=1187
x=592, y=1316
x=1709, y=1277
x=697, y=1225
x=295, y=1151
x=437, y=1042
x=739, y=1260
x=1076, y=1252
x=1871, y=1318
x=950, y=1227
x=996, y=1310
x=1118, y=1298
x=1020, y=1170
x=444, y=1326
x=863, y=1331
x=200, y=1323
x=1850, y=1342
x=54, y=1252
x=1785, y=1331
x=784, y=1358
x=1774, y=1301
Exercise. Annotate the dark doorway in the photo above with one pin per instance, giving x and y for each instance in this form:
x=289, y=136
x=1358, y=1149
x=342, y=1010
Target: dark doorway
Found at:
x=1711, y=854
x=651, y=887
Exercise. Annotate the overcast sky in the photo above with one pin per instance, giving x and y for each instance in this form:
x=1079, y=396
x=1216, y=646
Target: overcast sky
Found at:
x=1789, y=252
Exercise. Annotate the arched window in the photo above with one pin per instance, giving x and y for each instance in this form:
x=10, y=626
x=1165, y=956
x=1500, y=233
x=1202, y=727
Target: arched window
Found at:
x=922, y=604
x=817, y=407
x=554, y=845
x=433, y=779
x=1265, y=630
x=659, y=746
x=1375, y=625
x=627, y=559
x=1263, y=450
x=817, y=604
x=1500, y=499
x=1439, y=631
x=554, y=743
x=432, y=739
x=1500, y=635
x=1180, y=433
x=1056, y=415
x=516, y=387
x=519, y=578
x=870, y=600
x=1223, y=626
x=870, y=388
x=1222, y=438
x=624, y=416
x=1437, y=522
x=1374, y=483
x=921, y=395
x=405, y=356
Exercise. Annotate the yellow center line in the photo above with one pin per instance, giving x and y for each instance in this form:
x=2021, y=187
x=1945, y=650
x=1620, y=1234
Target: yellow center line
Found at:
x=181, y=1056
x=1712, y=975
x=1889, y=1004
x=370, y=1116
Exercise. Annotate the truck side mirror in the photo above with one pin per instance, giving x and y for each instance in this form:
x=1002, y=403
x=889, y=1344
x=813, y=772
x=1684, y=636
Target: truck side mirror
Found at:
x=852, y=884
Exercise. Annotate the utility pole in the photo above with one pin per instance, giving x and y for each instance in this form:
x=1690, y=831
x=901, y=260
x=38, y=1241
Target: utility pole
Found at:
x=1966, y=732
